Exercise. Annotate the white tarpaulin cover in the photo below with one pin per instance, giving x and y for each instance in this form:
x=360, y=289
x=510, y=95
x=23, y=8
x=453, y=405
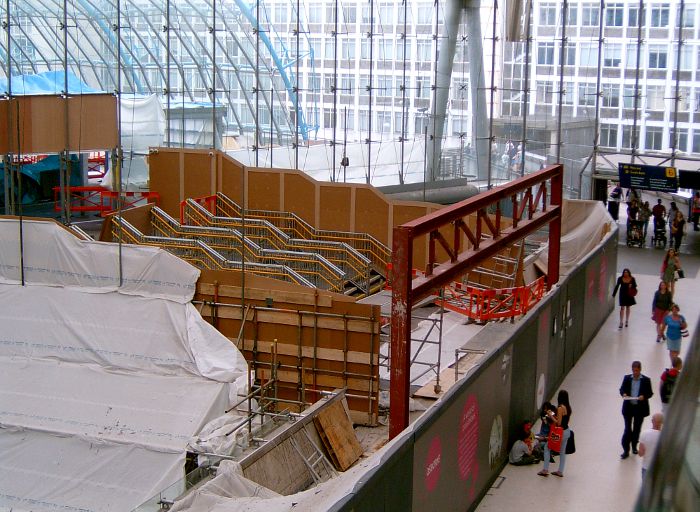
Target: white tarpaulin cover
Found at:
x=101, y=387
x=584, y=224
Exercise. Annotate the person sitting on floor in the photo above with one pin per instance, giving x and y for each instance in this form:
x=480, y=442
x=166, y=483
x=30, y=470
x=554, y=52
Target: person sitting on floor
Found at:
x=521, y=453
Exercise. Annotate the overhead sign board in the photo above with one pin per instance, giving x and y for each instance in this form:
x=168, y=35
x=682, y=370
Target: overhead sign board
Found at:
x=648, y=177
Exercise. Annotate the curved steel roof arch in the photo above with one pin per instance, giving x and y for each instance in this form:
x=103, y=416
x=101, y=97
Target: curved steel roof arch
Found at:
x=49, y=64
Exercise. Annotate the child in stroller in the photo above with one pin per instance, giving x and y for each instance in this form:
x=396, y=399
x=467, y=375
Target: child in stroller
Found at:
x=659, y=238
x=635, y=233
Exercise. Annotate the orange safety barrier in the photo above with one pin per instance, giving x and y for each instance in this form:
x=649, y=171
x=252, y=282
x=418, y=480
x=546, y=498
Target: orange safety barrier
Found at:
x=96, y=165
x=100, y=199
x=208, y=202
x=492, y=304
x=483, y=305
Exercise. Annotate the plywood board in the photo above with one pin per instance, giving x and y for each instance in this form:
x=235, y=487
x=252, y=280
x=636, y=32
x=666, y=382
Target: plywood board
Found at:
x=263, y=189
x=300, y=196
x=91, y=121
x=335, y=206
x=338, y=436
x=372, y=213
x=198, y=174
x=164, y=178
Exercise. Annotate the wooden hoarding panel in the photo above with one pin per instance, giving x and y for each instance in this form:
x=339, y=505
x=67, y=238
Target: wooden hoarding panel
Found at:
x=372, y=214
x=263, y=189
x=231, y=177
x=335, y=206
x=300, y=196
x=164, y=178
x=41, y=122
x=198, y=174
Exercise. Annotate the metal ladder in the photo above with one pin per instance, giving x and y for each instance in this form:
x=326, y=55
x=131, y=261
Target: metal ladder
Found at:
x=316, y=461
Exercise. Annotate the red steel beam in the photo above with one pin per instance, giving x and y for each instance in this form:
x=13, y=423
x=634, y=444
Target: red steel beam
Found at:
x=406, y=291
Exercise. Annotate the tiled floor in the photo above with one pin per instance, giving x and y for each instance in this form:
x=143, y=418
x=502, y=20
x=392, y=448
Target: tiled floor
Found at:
x=595, y=477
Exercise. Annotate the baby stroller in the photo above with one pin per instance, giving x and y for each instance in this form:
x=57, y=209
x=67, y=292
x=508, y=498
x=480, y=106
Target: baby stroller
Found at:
x=635, y=233
x=659, y=238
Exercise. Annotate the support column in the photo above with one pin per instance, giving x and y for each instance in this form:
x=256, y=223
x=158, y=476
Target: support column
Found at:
x=477, y=89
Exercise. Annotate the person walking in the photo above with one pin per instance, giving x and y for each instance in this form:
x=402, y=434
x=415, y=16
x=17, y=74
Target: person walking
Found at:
x=644, y=215
x=675, y=325
x=659, y=213
x=695, y=210
x=669, y=266
x=628, y=291
x=677, y=230
x=635, y=392
x=648, y=441
x=660, y=307
x=672, y=209
x=561, y=419
x=668, y=382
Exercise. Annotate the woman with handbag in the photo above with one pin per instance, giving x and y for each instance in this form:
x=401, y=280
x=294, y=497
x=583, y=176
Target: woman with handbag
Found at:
x=559, y=433
x=670, y=268
x=628, y=291
x=676, y=328
x=660, y=307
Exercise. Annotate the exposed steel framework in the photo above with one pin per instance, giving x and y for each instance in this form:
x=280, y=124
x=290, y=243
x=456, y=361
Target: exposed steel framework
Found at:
x=536, y=201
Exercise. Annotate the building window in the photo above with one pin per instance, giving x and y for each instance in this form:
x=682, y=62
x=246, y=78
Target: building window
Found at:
x=350, y=13
x=545, y=53
x=425, y=14
x=655, y=97
x=314, y=82
x=384, y=122
x=612, y=55
x=385, y=86
x=347, y=84
x=281, y=13
x=399, y=122
x=681, y=141
x=366, y=17
x=348, y=49
x=589, y=55
x=364, y=120
x=659, y=16
x=696, y=141
x=548, y=14
x=688, y=16
x=608, y=135
x=567, y=97
x=386, y=14
x=627, y=136
x=572, y=15
x=425, y=51
x=631, y=57
x=633, y=16
x=628, y=96
x=686, y=57
x=654, y=138
x=315, y=13
x=570, y=54
x=614, y=15
x=586, y=95
x=611, y=95
x=386, y=49
x=545, y=93
x=657, y=57
x=347, y=120
x=684, y=99
x=589, y=15
x=422, y=87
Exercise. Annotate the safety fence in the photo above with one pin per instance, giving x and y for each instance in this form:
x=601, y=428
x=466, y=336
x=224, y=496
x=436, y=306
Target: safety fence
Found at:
x=200, y=254
x=296, y=227
x=357, y=269
x=100, y=199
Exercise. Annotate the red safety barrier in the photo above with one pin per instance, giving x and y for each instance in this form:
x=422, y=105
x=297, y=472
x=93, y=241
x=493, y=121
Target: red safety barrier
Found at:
x=208, y=202
x=101, y=200
x=492, y=304
x=96, y=165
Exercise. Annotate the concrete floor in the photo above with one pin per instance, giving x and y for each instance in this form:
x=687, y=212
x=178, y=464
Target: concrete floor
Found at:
x=595, y=478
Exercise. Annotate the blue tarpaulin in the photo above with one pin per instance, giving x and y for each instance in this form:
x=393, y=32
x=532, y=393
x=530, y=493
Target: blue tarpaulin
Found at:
x=48, y=82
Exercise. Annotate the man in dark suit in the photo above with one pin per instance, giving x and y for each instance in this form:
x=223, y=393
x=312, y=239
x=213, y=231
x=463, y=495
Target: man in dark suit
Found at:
x=636, y=392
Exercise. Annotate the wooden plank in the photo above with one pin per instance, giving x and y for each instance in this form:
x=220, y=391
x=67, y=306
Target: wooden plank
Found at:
x=368, y=326
x=325, y=382
x=234, y=292
x=334, y=425
x=292, y=349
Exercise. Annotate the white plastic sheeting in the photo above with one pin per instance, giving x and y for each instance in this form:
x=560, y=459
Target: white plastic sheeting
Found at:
x=142, y=127
x=101, y=387
x=584, y=224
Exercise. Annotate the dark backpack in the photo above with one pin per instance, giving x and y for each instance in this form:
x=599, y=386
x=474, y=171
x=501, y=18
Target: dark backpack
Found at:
x=667, y=385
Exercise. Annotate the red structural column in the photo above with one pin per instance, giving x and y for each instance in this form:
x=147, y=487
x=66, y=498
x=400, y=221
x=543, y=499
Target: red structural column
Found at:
x=400, y=350
x=557, y=186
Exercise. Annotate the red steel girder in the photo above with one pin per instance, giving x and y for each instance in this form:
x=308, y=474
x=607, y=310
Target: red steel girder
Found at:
x=406, y=291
